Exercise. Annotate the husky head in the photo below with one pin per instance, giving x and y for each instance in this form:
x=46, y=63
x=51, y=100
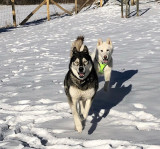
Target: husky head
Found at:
x=81, y=63
x=104, y=51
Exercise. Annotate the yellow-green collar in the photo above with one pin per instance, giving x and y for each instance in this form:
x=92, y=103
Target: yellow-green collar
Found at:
x=102, y=66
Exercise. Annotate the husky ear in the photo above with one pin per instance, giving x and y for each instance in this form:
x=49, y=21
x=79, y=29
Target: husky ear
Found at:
x=85, y=50
x=109, y=41
x=74, y=51
x=99, y=42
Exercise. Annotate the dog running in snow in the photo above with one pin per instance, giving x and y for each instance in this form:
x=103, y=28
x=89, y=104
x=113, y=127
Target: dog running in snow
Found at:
x=81, y=83
x=103, y=62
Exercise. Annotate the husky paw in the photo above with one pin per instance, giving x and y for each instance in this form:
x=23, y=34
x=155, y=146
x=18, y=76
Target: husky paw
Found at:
x=79, y=129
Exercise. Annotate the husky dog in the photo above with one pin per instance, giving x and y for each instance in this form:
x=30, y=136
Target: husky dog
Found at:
x=103, y=62
x=80, y=84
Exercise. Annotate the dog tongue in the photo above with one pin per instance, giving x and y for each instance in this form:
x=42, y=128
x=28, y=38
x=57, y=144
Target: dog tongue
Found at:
x=81, y=74
x=105, y=61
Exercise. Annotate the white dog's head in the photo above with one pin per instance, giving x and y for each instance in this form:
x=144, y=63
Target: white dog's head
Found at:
x=104, y=51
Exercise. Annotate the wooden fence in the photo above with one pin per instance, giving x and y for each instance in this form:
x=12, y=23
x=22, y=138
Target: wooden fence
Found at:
x=76, y=10
x=47, y=3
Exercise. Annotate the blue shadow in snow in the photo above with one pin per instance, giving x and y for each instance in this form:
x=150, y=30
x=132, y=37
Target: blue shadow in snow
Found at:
x=107, y=100
x=6, y=29
x=141, y=12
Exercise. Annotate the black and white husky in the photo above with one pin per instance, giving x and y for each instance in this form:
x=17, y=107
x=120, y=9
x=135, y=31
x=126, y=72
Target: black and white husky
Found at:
x=81, y=83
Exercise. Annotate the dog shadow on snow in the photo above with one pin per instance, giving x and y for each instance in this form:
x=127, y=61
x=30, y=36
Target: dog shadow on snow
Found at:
x=107, y=100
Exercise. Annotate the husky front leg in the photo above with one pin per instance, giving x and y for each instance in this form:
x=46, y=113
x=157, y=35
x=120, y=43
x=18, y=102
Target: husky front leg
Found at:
x=77, y=120
x=82, y=106
x=107, y=76
x=87, y=108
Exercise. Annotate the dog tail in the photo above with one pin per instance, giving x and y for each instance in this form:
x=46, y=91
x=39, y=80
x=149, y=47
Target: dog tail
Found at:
x=78, y=43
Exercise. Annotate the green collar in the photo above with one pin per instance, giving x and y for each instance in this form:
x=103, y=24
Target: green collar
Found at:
x=102, y=66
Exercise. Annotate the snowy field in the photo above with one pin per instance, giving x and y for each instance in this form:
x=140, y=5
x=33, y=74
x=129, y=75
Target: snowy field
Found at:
x=22, y=11
x=34, y=112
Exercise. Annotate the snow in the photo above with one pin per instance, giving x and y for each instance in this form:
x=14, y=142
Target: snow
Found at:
x=34, y=59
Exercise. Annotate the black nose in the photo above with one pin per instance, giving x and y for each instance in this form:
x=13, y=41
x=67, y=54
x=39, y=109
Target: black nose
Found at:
x=105, y=57
x=80, y=69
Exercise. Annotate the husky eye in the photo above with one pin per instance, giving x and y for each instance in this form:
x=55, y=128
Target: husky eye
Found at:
x=85, y=63
x=107, y=50
x=76, y=63
x=101, y=50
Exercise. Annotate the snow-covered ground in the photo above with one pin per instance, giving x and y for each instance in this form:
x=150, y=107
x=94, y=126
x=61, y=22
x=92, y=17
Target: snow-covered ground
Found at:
x=34, y=112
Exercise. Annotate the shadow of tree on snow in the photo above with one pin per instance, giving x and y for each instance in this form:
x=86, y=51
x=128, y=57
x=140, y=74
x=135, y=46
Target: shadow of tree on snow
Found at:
x=141, y=12
x=107, y=100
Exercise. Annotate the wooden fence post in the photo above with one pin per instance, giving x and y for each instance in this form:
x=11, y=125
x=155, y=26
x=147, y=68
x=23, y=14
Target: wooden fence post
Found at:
x=126, y=8
x=14, y=13
x=122, y=9
x=132, y=3
x=100, y=3
x=76, y=9
x=48, y=13
x=32, y=13
x=137, y=3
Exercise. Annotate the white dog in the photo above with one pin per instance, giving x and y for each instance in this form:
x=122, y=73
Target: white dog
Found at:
x=103, y=62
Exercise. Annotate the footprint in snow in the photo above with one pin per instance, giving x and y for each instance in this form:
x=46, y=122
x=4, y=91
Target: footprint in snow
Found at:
x=59, y=131
x=150, y=52
x=5, y=80
x=28, y=86
x=36, y=81
x=46, y=101
x=61, y=91
x=23, y=102
x=139, y=106
x=37, y=87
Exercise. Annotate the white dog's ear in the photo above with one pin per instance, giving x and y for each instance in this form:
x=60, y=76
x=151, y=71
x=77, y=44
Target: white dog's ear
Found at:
x=109, y=41
x=99, y=42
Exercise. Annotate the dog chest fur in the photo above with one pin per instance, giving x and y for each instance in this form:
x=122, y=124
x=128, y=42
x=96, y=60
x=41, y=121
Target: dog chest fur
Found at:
x=83, y=94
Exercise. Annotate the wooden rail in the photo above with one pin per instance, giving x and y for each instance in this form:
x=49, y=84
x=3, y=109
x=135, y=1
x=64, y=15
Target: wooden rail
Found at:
x=32, y=13
x=48, y=11
x=83, y=5
x=53, y=2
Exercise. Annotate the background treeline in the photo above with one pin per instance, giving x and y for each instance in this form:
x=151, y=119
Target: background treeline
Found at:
x=31, y=2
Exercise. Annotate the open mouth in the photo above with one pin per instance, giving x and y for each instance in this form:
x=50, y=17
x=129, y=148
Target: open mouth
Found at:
x=81, y=74
x=105, y=61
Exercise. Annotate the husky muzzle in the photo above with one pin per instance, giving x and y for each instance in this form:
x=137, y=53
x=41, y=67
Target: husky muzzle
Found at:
x=81, y=71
